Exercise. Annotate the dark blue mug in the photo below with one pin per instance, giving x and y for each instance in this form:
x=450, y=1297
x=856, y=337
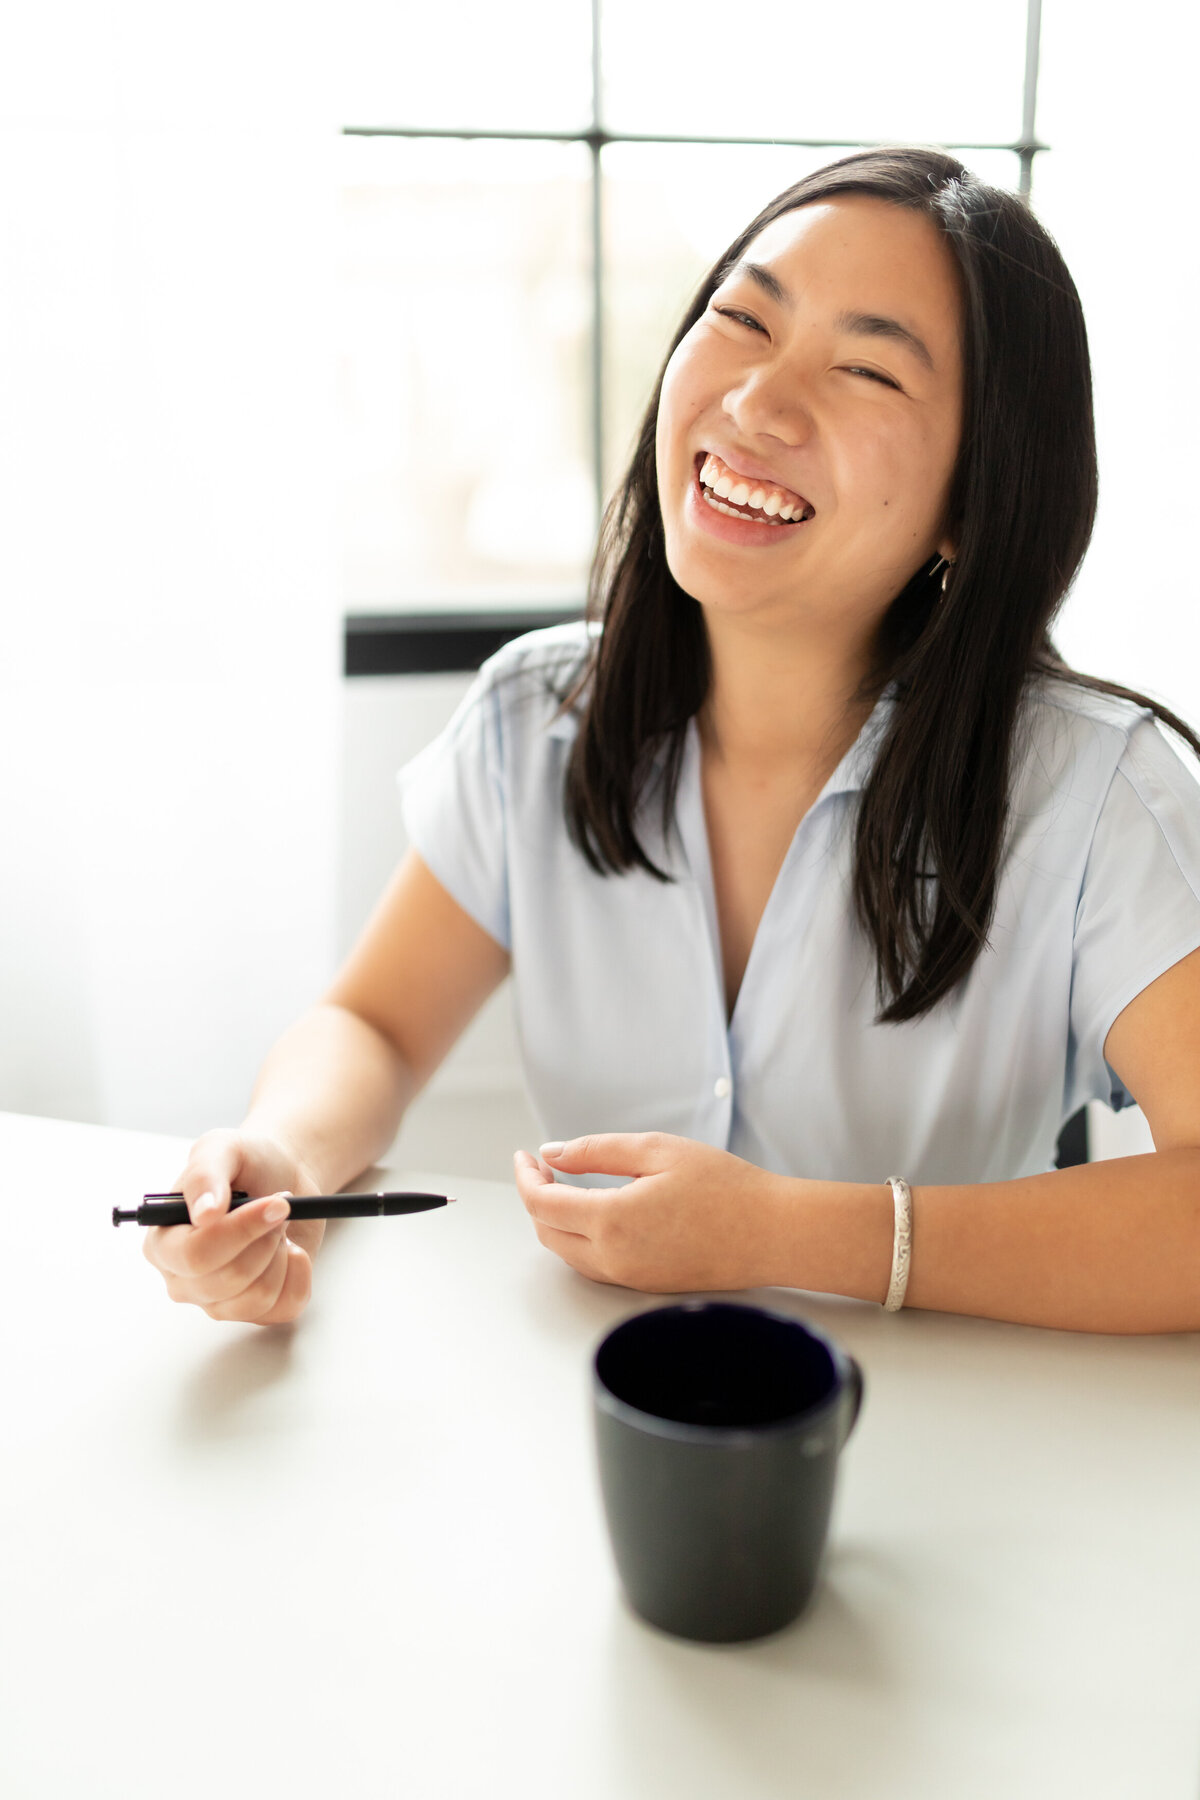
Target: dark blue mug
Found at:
x=718, y=1428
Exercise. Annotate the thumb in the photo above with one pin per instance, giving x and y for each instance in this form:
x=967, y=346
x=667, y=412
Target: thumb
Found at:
x=207, y=1182
x=612, y=1153
x=207, y=1195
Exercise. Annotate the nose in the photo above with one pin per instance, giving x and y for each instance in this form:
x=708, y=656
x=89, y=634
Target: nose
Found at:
x=771, y=402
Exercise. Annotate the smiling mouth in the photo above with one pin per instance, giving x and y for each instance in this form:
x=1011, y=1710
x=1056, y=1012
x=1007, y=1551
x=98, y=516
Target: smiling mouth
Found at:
x=741, y=497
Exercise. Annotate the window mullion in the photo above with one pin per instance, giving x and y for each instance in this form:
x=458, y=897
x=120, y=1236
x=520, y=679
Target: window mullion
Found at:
x=1029, y=144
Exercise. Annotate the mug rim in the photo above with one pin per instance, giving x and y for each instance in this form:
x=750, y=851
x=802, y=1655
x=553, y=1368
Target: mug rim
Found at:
x=630, y=1414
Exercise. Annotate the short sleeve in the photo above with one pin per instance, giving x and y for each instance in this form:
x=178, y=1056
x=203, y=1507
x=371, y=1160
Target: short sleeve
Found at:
x=452, y=798
x=1139, y=909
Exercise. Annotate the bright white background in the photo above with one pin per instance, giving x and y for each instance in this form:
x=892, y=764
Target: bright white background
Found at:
x=171, y=795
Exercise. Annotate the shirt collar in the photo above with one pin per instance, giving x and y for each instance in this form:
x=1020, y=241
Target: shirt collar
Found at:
x=852, y=772
x=566, y=725
x=849, y=777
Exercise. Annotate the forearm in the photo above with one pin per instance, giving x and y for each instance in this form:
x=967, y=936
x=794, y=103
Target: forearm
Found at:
x=334, y=1090
x=1110, y=1246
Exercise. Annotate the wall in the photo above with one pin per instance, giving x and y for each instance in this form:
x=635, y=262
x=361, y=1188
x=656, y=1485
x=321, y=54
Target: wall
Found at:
x=168, y=673
x=1117, y=108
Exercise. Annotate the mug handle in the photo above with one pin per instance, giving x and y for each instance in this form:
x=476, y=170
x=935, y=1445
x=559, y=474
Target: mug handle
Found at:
x=855, y=1387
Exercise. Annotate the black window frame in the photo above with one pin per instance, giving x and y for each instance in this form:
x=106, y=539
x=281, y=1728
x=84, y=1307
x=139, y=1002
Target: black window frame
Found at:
x=597, y=139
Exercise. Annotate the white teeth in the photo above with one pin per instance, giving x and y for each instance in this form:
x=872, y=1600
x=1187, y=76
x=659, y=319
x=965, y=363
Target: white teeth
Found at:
x=715, y=481
x=731, y=514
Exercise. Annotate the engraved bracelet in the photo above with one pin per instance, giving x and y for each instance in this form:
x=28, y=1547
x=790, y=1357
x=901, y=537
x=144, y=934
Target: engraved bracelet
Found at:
x=901, y=1243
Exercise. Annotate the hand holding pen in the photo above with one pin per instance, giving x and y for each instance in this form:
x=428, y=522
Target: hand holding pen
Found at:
x=243, y=1258
x=251, y=1262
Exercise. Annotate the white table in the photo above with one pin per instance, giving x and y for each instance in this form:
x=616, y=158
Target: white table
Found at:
x=366, y=1557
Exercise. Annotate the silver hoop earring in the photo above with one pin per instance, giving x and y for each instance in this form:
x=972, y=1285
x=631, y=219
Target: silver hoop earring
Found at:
x=949, y=562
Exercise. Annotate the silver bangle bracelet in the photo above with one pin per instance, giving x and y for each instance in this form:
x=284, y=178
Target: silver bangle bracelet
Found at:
x=901, y=1243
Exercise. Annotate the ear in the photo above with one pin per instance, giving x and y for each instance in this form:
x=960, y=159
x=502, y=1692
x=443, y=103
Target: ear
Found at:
x=948, y=549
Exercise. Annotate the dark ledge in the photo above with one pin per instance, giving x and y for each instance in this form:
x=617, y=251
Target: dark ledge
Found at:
x=437, y=643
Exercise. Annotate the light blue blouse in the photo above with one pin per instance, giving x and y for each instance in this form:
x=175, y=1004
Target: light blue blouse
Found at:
x=618, y=986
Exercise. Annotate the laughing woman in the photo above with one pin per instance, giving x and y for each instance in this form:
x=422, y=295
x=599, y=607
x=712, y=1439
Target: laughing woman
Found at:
x=812, y=863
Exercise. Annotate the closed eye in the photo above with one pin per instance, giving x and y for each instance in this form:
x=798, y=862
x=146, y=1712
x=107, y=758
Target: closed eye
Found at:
x=728, y=312
x=874, y=375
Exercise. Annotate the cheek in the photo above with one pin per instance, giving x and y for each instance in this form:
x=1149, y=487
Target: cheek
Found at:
x=681, y=397
x=665, y=426
x=901, y=469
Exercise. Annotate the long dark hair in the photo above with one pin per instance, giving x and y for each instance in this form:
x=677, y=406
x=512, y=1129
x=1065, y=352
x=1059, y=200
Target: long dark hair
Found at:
x=1022, y=506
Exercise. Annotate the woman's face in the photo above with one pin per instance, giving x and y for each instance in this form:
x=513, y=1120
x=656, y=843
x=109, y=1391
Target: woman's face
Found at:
x=820, y=400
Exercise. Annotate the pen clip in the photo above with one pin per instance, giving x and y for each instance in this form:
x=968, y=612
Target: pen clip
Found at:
x=235, y=1194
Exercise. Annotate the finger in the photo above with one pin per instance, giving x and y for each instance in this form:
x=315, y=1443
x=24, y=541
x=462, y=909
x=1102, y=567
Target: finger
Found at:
x=572, y=1249
x=205, y=1195
x=568, y=1208
x=308, y=1233
x=289, y=1303
x=207, y=1182
x=297, y=1288
x=530, y=1174
x=258, y=1297
x=613, y=1153
x=232, y=1278
x=197, y=1250
x=210, y=1204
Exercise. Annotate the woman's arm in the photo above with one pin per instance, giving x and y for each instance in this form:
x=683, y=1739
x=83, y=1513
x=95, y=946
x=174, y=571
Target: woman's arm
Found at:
x=336, y=1084
x=1111, y=1246
x=327, y=1103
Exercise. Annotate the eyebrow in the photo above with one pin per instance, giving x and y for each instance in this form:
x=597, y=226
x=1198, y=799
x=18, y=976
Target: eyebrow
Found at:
x=879, y=325
x=859, y=323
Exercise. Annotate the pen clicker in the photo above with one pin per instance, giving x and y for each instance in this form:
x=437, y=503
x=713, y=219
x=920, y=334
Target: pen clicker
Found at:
x=171, y=1209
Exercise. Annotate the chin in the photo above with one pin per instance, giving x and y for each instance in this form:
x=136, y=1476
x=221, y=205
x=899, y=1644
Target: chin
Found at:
x=721, y=599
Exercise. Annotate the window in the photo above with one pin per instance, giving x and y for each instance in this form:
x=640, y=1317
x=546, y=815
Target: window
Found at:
x=531, y=194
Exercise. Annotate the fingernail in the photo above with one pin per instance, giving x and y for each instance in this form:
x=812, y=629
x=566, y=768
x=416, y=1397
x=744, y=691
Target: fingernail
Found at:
x=551, y=1151
x=205, y=1204
x=277, y=1210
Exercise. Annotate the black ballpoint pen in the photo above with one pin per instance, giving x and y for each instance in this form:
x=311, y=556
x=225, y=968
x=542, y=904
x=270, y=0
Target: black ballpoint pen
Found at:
x=171, y=1209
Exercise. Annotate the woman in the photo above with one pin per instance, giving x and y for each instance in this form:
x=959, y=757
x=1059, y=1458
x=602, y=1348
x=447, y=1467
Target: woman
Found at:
x=812, y=862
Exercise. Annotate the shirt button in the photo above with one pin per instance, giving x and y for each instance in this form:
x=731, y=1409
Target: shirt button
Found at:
x=722, y=1087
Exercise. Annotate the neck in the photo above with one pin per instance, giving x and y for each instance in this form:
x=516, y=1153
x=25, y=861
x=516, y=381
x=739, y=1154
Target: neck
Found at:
x=781, y=702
